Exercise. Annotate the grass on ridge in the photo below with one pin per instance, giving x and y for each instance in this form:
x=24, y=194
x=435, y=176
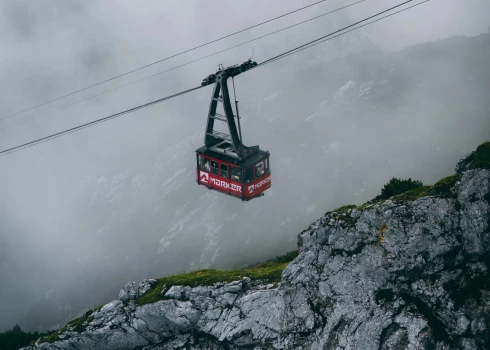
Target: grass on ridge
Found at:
x=414, y=194
x=75, y=325
x=481, y=157
x=345, y=208
x=269, y=271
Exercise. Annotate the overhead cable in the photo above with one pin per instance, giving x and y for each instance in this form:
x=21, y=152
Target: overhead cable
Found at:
x=275, y=58
x=164, y=59
x=328, y=35
x=347, y=31
x=97, y=121
x=179, y=66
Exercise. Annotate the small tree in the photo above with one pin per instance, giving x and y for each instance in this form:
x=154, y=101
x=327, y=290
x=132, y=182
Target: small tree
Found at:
x=398, y=186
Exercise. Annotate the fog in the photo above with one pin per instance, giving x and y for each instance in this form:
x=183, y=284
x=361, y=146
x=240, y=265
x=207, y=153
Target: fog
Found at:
x=84, y=213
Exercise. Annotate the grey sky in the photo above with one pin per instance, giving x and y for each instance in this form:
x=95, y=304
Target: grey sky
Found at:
x=61, y=228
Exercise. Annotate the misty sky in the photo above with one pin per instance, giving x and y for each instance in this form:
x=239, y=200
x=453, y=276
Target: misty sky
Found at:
x=60, y=230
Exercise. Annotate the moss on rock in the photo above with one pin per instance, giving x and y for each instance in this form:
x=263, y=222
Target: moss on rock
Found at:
x=345, y=208
x=442, y=188
x=414, y=194
x=78, y=325
x=269, y=271
x=342, y=216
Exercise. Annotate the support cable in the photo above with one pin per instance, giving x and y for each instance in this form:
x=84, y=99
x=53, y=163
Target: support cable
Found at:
x=335, y=36
x=275, y=58
x=325, y=36
x=97, y=121
x=164, y=59
x=176, y=67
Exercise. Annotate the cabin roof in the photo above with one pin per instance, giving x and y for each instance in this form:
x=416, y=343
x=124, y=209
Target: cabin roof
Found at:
x=245, y=163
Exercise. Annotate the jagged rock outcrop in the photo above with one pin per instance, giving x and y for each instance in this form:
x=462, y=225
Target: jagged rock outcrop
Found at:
x=398, y=274
x=132, y=292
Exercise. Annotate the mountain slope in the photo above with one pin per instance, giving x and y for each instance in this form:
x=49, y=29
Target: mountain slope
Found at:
x=362, y=118
x=408, y=272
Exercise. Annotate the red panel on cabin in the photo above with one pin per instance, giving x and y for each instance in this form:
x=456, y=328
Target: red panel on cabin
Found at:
x=220, y=183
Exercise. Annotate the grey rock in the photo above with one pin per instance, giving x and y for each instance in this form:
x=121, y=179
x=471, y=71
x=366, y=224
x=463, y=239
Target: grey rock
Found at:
x=145, y=285
x=129, y=292
x=394, y=275
x=177, y=292
x=464, y=163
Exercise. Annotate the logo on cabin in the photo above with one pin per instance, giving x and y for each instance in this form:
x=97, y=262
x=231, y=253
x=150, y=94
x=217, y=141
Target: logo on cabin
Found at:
x=251, y=188
x=203, y=177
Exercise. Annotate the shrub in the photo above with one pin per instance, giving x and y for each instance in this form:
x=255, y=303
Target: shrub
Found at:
x=481, y=157
x=398, y=186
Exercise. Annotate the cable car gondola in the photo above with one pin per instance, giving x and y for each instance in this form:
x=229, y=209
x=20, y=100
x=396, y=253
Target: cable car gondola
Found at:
x=224, y=164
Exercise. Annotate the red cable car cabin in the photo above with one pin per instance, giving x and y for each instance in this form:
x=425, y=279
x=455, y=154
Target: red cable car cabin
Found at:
x=245, y=179
x=224, y=163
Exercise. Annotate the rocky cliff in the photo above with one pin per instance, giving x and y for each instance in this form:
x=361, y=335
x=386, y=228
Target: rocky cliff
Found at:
x=410, y=272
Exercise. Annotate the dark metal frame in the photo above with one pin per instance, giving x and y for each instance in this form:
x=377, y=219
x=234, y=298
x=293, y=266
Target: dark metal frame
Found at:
x=219, y=142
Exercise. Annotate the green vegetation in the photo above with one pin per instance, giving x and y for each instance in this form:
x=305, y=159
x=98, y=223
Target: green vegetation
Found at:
x=398, y=186
x=345, y=208
x=409, y=190
x=76, y=325
x=343, y=215
x=51, y=338
x=442, y=188
x=16, y=338
x=481, y=157
x=269, y=271
x=414, y=194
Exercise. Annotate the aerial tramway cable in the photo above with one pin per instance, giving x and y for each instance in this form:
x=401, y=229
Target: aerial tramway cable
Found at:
x=165, y=59
x=327, y=38
x=275, y=58
x=97, y=121
x=328, y=35
x=179, y=66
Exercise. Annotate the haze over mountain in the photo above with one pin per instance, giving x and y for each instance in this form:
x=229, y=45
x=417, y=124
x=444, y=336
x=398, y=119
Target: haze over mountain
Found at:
x=408, y=270
x=85, y=213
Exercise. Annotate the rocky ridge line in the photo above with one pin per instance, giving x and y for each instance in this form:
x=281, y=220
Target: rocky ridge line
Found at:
x=394, y=275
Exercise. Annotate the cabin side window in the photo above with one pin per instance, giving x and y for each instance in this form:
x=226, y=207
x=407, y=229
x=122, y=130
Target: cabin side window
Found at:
x=267, y=165
x=235, y=174
x=204, y=164
x=224, y=170
x=248, y=174
x=259, y=169
x=214, y=167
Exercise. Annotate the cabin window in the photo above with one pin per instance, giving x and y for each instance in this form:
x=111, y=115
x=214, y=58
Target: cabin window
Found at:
x=267, y=168
x=204, y=164
x=224, y=170
x=248, y=174
x=235, y=174
x=214, y=167
x=259, y=169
